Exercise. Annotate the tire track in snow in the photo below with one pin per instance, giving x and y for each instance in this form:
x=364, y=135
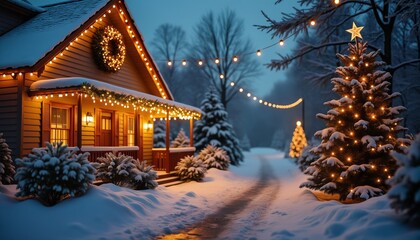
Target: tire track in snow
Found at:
x=261, y=194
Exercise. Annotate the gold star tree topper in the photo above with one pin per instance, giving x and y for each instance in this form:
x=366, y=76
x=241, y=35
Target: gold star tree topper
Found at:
x=355, y=31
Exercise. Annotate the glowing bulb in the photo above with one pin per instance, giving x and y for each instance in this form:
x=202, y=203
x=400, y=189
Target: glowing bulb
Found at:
x=200, y=62
x=184, y=62
x=221, y=76
x=259, y=53
x=366, y=64
x=356, y=115
x=217, y=61
x=298, y=123
x=248, y=94
x=332, y=175
x=337, y=1
x=232, y=84
x=254, y=98
x=339, y=121
x=312, y=22
x=169, y=63
x=349, y=159
x=241, y=89
x=281, y=43
x=351, y=133
x=235, y=58
x=341, y=149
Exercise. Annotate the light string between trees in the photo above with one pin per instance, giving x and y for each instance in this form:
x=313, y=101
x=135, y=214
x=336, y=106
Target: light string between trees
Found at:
x=235, y=58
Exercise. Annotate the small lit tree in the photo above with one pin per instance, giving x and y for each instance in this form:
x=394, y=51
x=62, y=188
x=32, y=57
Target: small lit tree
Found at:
x=298, y=141
x=362, y=126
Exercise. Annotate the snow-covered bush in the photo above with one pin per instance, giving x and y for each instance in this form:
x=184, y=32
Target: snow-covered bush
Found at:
x=214, y=157
x=405, y=191
x=307, y=157
x=191, y=168
x=181, y=140
x=7, y=169
x=125, y=171
x=54, y=173
x=143, y=176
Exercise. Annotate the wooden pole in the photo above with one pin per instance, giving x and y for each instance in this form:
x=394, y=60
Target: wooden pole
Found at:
x=79, y=121
x=167, y=142
x=191, y=132
x=303, y=113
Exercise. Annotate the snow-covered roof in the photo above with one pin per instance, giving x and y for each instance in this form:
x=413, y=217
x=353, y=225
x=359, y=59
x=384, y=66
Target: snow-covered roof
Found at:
x=26, y=44
x=79, y=82
x=27, y=5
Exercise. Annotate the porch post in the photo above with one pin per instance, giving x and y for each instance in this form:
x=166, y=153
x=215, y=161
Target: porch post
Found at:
x=167, y=165
x=79, y=121
x=191, y=132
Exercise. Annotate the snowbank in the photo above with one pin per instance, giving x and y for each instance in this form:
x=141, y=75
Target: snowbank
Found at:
x=111, y=212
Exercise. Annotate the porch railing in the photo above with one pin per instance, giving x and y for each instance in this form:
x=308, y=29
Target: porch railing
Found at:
x=96, y=152
x=162, y=162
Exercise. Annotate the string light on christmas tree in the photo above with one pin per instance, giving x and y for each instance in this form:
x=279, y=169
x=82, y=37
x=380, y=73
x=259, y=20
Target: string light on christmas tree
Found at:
x=258, y=52
x=298, y=142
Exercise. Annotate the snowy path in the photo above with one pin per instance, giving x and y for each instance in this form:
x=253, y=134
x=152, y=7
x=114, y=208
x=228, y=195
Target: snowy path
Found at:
x=246, y=210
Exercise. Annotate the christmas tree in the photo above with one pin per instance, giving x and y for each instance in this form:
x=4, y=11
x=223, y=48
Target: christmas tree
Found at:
x=159, y=134
x=181, y=140
x=214, y=128
x=298, y=141
x=362, y=129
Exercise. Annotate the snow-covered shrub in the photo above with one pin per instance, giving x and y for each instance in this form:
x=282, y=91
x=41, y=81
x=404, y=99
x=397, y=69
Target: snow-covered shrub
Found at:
x=307, y=157
x=53, y=174
x=181, y=140
x=191, y=168
x=7, y=169
x=143, y=176
x=214, y=157
x=125, y=171
x=405, y=191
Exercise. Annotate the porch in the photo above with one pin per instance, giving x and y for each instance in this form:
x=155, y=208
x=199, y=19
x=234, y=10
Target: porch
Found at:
x=162, y=159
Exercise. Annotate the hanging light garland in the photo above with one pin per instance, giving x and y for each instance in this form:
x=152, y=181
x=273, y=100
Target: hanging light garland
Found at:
x=235, y=58
x=266, y=103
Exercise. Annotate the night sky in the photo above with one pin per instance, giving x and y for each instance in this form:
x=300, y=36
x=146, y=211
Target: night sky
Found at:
x=149, y=14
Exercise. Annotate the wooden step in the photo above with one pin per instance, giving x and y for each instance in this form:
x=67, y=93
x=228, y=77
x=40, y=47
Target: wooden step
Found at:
x=170, y=184
x=161, y=181
x=168, y=179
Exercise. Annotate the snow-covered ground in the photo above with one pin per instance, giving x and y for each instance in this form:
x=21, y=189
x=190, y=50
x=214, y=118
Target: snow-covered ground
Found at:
x=111, y=212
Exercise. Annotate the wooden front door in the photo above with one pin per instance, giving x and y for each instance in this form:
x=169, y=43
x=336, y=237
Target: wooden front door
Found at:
x=106, y=129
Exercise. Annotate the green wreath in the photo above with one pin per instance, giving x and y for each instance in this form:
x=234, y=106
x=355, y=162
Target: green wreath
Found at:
x=108, y=49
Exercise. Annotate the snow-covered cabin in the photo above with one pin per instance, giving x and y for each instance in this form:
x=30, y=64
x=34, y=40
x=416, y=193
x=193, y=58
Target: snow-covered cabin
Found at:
x=79, y=72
